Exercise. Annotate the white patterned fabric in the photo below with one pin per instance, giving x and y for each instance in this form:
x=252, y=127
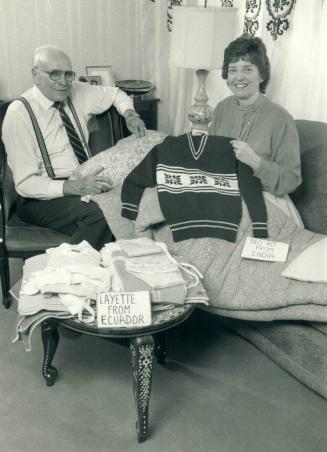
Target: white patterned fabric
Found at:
x=243, y=288
x=119, y=160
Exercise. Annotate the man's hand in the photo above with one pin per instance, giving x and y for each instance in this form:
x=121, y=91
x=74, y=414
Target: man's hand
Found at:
x=135, y=125
x=87, y=185
x=244, y=153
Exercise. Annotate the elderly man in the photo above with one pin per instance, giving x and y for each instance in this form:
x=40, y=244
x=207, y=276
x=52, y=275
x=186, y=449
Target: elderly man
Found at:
x=43, y=155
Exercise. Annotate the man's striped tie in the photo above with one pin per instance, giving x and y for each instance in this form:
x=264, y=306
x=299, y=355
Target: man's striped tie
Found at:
x=72, y=134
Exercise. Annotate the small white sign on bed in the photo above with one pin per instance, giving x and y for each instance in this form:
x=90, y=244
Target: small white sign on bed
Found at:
x=265, y=250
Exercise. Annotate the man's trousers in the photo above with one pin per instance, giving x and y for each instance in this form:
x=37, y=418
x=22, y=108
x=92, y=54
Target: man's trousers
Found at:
x=70, y=215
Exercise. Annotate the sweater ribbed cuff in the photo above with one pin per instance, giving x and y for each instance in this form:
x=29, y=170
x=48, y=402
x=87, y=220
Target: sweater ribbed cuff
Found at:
x=129, y=212
x=260, y=231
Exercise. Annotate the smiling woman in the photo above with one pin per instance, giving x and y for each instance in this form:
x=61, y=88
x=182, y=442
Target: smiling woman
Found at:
x=244, y=80
x=264, y=133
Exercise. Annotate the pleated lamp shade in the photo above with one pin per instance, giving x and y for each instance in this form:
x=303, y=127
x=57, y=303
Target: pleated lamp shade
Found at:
x=200, y=35
x=199, y=38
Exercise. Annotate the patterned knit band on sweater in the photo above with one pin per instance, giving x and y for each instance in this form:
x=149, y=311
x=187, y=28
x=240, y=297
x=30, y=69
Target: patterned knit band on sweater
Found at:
x=200, y=184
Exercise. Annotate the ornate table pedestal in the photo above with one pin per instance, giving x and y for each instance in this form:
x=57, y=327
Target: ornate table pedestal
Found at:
x=144, y=342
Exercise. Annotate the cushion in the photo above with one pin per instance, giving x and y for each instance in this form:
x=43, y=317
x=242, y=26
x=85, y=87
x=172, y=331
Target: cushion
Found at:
x=119, y=160
x=310, y=265
x=311, y=197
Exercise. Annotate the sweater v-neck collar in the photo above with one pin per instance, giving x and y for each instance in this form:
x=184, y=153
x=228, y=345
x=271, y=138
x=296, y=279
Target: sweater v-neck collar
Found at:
x=196, y=153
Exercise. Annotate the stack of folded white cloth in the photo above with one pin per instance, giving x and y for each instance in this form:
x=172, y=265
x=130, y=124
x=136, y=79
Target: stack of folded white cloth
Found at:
x=143, y=264
x=69, y=279
x=64, y=281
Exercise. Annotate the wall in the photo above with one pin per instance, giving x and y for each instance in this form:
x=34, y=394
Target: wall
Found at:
x=131, y=35
x=92, y=32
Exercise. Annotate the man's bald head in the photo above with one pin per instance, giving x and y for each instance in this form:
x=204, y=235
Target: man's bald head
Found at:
x=48, y=53
x=49, y=60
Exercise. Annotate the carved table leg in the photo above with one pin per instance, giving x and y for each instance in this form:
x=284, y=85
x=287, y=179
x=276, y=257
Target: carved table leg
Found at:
x=50, y=339
x=142, y=360
x=161, y=347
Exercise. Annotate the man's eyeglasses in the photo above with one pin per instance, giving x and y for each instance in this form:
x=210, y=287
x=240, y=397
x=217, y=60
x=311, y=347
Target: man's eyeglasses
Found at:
x=56, y=75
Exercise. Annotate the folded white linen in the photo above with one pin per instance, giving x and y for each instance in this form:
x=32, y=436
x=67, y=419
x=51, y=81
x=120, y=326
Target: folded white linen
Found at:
x=143, y=264
x=71, y=271
x=67, y=254
x=76, y=306
x=87, y=278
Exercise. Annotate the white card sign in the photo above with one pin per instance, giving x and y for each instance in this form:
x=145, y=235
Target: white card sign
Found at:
x=265, y=250
x=123, y=309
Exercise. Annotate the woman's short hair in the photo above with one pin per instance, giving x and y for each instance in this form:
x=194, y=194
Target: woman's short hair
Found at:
x=251, y=49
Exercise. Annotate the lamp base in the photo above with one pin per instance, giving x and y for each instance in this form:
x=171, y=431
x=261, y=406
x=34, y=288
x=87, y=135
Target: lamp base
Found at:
x=200, y=116
x=200, y=113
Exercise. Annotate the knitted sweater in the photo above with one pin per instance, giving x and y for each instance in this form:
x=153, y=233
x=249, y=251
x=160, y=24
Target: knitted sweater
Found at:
x=199, y=185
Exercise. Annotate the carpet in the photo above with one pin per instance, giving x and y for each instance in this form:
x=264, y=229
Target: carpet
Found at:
x=298, y=347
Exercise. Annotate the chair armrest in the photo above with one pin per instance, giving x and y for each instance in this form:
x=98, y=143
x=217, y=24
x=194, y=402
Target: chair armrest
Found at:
x=106, y=130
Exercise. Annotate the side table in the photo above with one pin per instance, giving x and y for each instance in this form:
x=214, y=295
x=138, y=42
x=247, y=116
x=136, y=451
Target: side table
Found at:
x=144, y=342
x=147, y=108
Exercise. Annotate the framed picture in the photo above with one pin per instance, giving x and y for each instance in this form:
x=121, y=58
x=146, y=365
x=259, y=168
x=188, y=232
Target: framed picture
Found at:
x=91, y=79
x=104, y=72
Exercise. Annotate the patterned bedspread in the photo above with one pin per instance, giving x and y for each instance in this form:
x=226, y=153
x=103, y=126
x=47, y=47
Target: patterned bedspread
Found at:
x=237, y=287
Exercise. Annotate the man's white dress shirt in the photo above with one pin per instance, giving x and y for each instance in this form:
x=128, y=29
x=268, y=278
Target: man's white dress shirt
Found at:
x=24, y=156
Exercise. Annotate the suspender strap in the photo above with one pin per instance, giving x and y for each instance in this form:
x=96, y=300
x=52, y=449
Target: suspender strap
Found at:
x=40, y=139
x=77, y=121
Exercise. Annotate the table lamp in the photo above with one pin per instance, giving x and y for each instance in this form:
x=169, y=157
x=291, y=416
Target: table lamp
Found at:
x=199, y=37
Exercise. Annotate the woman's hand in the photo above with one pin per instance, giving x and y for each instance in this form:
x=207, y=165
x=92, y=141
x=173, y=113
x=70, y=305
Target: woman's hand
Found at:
x=245, y=154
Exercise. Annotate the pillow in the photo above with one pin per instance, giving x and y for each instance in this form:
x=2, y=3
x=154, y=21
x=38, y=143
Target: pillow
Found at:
x=119, y=160
x=310, y=265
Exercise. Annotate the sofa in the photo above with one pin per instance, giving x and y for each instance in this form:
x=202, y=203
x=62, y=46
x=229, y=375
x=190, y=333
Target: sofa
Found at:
x=300, y=347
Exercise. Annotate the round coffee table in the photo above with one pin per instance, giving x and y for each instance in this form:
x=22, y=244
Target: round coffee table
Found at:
x=142, y=346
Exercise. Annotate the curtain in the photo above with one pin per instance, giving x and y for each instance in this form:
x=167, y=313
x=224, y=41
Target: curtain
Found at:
x=298, y=64
x=92, y=32
x=154, y=42
x=317, y=101
x=132, y=36
x=173, y=86
x=129, y=35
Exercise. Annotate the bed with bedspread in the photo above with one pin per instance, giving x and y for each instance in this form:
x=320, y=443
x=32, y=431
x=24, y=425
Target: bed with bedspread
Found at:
x=284, y=317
